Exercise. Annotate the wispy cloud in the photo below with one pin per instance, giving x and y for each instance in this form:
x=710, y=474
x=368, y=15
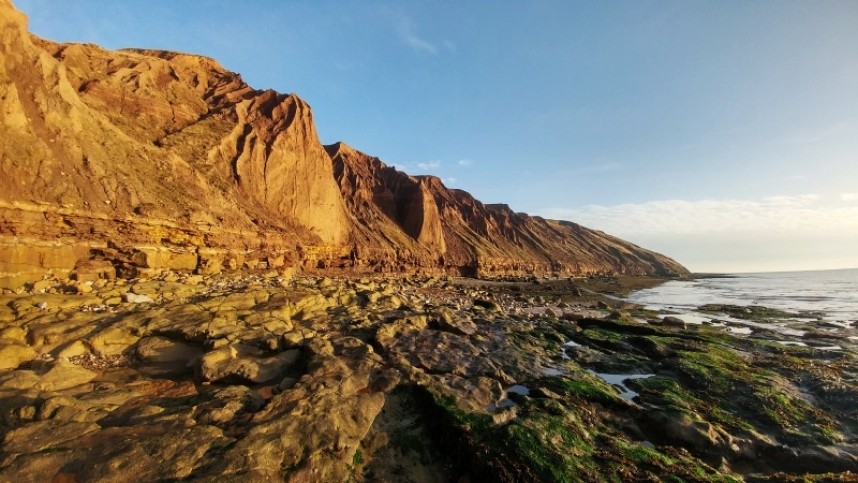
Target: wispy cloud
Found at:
x=407, y=33
x=465, y=162
x=429, y=165
x=778, y=232
x=449, y=180
x=807, y=213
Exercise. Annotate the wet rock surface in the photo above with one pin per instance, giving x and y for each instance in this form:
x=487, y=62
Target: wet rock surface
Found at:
x=266, y=378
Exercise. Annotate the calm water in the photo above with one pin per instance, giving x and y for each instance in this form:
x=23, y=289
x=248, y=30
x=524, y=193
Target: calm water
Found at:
x=832, y=292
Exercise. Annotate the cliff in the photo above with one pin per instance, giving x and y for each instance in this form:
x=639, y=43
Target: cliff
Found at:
x=148, y=160
x=428, y=223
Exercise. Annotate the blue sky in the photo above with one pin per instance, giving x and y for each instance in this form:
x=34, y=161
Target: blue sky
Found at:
x=722, y=133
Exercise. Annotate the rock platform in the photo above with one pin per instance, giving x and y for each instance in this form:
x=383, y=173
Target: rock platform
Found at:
x=261, y=377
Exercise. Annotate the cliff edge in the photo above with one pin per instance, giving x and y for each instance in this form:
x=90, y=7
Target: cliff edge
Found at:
x=142, y=160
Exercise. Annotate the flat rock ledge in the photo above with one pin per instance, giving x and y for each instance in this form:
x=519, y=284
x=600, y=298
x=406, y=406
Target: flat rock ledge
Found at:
x=267, y=378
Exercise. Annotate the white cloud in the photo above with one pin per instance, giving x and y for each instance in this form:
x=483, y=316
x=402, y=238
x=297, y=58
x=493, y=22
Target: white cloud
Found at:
x=775, y=214
x=848, y=196
x=449, y=180
x=429, y=165
x=790, y=200
x=465, y=162
x=405, y=30
x=778, y=232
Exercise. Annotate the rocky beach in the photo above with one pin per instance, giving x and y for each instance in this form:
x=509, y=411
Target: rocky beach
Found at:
x=194, y=288
x=263, y=377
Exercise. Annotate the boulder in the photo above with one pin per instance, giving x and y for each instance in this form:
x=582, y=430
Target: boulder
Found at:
x=159, y=349
x=133, y=298
x=91, y=270
x=12, y=354
x=670, y=321
x=447, y=320
x=246, y=362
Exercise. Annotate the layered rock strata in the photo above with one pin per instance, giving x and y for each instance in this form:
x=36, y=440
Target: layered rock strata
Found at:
x=107, y=153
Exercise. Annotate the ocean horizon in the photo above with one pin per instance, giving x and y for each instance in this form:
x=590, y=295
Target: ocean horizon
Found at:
x=827, y=294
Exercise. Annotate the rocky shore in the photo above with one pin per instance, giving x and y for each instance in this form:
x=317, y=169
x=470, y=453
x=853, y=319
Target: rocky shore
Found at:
x=262, y=377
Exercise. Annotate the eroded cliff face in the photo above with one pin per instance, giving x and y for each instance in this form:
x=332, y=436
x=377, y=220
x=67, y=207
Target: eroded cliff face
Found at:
x=105, y=154
x=450, y=228
x=395, y=215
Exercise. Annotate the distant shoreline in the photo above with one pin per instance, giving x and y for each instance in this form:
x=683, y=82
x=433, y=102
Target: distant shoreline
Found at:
x=703, y=275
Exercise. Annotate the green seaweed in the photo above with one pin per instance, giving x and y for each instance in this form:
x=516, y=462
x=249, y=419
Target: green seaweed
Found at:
x=555, y=447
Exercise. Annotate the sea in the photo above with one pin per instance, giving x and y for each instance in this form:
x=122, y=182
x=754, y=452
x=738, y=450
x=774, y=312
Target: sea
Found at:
x=832, y=294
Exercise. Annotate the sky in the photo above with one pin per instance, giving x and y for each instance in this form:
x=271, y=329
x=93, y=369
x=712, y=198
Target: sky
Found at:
x=721, y=133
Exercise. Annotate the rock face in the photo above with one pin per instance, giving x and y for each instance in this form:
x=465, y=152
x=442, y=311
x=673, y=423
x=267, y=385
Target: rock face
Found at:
x=151, y=160
x=448, y=227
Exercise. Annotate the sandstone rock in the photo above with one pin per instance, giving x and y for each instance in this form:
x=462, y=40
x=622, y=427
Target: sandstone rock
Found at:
x=42, y=285
x=385, y=381
x=158, y=349
x=229, y=402
x=12, y=354
x=193, y=280
x=26, y=304
x=331, y=408
x=63, y=408
x=297, y=338
x=246, y=362
x=439, y=352
x=62, y=375
x=133, y=298
x=147, y=454
x=449, y=321
x=114, y=340
x=16, y=334
x=72, y=349
x=91, y=270
x=277, y=326
x=42, y=435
